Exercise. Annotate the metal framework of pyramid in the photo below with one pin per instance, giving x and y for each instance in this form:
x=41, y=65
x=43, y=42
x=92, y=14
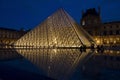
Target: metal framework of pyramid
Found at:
x=58, y=30
x=57, y=40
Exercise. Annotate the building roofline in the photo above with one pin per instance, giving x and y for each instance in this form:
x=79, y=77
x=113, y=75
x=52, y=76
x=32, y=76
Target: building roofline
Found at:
x=91, y=11
x=111, y=22
x=8, y=29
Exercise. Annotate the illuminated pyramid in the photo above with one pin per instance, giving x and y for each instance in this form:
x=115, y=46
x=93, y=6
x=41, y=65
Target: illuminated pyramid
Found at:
x=58, y=30
x=52, y=45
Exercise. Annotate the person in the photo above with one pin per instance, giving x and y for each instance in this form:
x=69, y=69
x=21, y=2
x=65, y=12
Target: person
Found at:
x=102, y=49
x=84, y=48
x=92, y=47
x=98, y=48
x=81, y=49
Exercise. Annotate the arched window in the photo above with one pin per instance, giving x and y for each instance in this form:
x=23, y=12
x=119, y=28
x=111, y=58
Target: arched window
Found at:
x=83, y=23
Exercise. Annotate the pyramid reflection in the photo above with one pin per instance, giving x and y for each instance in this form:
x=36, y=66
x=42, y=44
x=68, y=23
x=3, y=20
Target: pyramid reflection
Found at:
x=56, y=63
x=53, y=45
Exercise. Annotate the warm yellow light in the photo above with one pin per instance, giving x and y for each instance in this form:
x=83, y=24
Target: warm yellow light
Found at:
x=95, y=38
x=83, y=23
x=117, y=39
x=55, y=41
x=114, y=41
x=118, y=52
x=111, y=39
x=111, y=51
x=98, y=41
x=55, y=50
x=104, y=39
x=107, y=42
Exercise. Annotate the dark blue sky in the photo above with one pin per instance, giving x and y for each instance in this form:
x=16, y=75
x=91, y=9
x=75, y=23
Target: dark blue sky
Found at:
x=29, y=13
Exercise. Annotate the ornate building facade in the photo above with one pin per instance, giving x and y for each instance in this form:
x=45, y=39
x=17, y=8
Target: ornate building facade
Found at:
x=107, y=34
x=9, y=36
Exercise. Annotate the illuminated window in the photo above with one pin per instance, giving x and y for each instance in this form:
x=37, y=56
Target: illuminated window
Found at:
x=111, y=39
x=107, y=42
x=98, y=41
x=118, y=39
x=114, y=41
x=83, y=23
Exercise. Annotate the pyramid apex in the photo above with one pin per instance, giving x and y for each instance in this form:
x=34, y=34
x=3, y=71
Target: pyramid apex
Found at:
x=61, y=9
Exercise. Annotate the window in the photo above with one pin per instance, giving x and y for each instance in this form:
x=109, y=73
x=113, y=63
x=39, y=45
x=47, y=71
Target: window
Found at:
x=117, y=32
x=110, y=26
x=104, y=27
x=117, y=26
x=83, y=23
x=111, y=32
x=104, y=33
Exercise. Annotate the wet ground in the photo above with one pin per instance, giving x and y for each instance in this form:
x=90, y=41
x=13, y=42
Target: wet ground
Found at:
x=21, y=69
x=24, y=70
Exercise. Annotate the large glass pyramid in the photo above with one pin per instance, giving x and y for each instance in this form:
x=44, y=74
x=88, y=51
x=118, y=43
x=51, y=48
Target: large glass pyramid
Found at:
x=53, y=45
x=57, y=31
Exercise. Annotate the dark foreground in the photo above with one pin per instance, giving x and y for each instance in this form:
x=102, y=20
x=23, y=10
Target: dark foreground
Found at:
x=24, y=70
x=11, y=70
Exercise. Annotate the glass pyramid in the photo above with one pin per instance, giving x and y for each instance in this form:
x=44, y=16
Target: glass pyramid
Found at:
x=53, y=45
x=58, y=30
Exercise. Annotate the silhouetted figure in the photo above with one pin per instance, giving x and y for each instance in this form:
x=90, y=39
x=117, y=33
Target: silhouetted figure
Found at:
x=81, y=49
x=102, y=49
x=84, y=48
x=98, y=48
x=92, y=47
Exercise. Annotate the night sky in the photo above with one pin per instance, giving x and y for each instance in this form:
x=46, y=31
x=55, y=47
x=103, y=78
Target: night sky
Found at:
x=27, y=14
